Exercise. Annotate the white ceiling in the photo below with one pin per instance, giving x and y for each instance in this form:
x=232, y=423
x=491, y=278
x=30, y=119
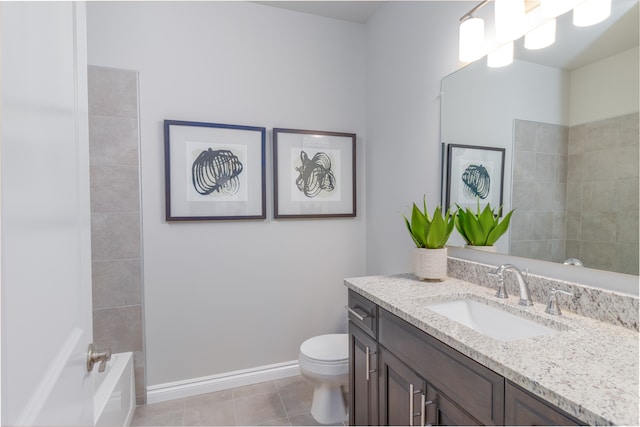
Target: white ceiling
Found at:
x=352, y=11
x=569, y=52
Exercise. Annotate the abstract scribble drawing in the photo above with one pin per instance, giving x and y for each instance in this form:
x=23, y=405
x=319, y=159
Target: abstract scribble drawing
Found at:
x=476, y=181
x=216, y=170
x=315, y=175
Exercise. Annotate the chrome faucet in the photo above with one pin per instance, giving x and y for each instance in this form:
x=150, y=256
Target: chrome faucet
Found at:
x=525, y=296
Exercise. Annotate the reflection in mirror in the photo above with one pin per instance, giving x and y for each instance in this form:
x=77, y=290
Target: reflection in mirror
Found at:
x=568, y=118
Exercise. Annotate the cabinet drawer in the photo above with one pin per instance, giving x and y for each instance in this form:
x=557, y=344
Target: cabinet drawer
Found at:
x=524, y=409
x=363, y=313
x=476, y=389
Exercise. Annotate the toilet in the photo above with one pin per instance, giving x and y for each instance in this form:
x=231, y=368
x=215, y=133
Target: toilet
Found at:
x=324, y=361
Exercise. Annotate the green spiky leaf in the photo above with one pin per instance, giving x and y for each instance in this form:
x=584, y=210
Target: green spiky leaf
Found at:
x=429, y=231
x=482, y=228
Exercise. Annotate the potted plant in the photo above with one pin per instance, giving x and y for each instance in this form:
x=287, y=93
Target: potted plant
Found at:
x=481, y=230
x=430, y=234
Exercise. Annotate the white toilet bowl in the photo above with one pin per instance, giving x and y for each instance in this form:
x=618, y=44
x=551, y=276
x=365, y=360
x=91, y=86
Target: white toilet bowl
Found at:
x=324, y=360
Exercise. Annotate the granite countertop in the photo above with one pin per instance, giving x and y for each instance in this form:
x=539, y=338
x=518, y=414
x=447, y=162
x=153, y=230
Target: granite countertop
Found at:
x=588, y=368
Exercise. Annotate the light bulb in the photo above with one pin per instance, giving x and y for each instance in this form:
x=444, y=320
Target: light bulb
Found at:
x=590, y=12
x=501, y=57
x=471, y=39
x=543, y=36
x=509, y=19
x=554, y=8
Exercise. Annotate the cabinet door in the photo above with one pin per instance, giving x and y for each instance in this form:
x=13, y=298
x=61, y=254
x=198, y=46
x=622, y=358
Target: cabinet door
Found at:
x=402, y=392
x=363, y=378
x=470, y=385
x=441, y=411
x=524, y=409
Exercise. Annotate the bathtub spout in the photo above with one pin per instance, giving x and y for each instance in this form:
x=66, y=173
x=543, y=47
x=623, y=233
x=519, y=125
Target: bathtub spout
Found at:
x=95, y=356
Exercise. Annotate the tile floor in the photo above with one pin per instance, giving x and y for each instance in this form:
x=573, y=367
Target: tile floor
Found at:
x=284, y=402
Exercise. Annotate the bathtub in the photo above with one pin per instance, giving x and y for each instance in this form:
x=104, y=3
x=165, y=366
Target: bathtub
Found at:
x=114, y=397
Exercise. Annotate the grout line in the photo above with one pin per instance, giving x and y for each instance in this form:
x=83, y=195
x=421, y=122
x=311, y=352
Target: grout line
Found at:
x=235, y=409
x=282, y=402
x=184, y=411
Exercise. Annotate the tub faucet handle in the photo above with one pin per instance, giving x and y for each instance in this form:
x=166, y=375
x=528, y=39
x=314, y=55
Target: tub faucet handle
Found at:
x=94, y=356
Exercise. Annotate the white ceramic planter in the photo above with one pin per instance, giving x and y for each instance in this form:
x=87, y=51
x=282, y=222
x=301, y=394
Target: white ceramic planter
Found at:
x=492, y=248
x=430, y=264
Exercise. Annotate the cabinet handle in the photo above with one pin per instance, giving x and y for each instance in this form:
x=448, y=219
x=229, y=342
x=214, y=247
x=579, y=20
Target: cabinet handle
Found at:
x=357, y=315
x=413, y=414
x=367, y=362
x=424, y=409
x=411, y=404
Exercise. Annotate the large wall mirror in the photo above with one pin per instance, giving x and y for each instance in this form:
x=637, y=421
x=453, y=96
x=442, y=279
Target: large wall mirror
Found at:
x=567, y=116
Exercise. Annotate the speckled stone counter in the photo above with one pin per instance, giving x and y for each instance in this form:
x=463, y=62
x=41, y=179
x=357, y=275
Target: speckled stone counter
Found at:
x=587, y=368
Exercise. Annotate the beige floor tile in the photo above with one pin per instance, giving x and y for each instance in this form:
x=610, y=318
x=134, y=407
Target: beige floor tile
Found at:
x=169, y=413
x=278, y=422
x=259, y=409
x=252, y=390
x=210, y=413
x=204, y=399
x=296, y=394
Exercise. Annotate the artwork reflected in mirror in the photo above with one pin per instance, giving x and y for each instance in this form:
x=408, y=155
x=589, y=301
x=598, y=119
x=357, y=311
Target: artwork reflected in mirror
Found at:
x=568, y=121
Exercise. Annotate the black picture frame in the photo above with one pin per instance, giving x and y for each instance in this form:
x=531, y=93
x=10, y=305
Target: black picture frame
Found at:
x=475, y=173
x=314, y=174
x=214, y=171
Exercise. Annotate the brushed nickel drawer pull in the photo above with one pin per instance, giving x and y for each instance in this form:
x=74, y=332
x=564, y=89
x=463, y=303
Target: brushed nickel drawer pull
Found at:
x=357, y=315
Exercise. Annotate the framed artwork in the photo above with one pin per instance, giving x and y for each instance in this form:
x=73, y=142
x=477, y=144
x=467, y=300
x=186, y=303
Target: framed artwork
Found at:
x=474, y=174
x=214, y=171
x=314, y=174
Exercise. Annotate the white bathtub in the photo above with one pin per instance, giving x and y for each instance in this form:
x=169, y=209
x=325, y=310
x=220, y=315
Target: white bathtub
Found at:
x=114, y=397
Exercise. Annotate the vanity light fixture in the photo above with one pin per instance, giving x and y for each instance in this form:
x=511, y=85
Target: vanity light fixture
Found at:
x=501, y=57
x=509, y=18
x=538, y=25
x=471, y=39
x=541, y=37
x=471, y=36
x=591, y=12
x=555, y=8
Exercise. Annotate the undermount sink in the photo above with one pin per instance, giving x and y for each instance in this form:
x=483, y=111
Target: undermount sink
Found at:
x=488, y=320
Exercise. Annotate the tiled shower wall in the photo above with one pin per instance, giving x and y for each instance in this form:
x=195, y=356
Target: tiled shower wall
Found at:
x=576, y=193
x=602, y=196
x=538, y=227
x=115, y=215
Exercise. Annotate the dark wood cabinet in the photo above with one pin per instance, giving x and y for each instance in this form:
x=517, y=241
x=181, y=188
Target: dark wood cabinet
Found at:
x=524, y=409
x=363, y=361
x=441, y=411
x=477, y=390
x=400, y=375
x=402, y=392
x=363, y=378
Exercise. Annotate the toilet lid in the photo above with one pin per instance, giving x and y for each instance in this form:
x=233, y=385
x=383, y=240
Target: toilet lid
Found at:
x=331, y=347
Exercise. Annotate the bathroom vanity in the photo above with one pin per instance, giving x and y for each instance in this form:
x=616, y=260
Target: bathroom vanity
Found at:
x=413, y=366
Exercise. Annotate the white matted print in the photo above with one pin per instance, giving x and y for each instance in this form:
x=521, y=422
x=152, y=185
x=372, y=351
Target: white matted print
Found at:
x=475, y=176
x=214, y=171
x=314, y=174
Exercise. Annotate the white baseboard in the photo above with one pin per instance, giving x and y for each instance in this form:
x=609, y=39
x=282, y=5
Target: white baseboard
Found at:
x=209, y=384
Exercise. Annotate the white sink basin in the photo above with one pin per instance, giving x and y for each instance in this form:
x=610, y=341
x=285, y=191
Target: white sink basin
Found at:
x=489, y=320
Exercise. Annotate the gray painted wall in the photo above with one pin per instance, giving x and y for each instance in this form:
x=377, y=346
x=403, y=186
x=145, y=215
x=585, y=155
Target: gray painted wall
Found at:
x=212, y=309
x=225, y=296
x=411, y=46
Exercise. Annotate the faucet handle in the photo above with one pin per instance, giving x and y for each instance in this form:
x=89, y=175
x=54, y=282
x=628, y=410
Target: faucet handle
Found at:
x=502, y=290
x=552, y=306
